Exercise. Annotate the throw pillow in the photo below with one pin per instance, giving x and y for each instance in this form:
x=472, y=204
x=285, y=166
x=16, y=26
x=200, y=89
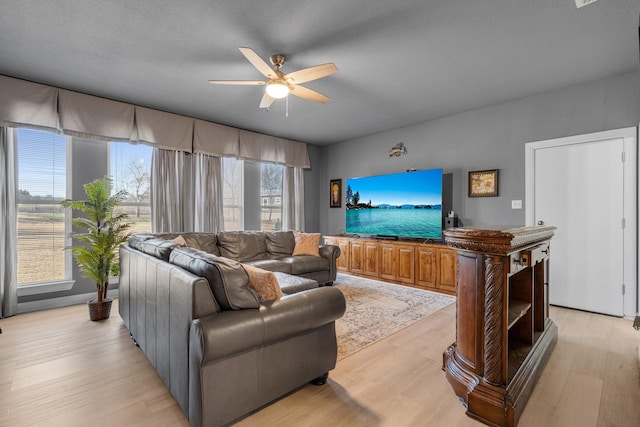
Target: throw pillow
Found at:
x=263, y=282
x=180, y=239
x=307, y=244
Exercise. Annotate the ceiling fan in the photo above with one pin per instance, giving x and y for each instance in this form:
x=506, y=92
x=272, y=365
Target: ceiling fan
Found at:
x=279, y=85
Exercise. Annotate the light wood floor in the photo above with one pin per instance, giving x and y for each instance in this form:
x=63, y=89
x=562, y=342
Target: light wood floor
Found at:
x=59, y=369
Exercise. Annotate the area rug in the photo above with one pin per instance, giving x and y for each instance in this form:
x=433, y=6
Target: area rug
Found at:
x=377, y=309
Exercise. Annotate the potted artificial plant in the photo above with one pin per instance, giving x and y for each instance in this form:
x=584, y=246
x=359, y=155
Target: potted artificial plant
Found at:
x=102, y=233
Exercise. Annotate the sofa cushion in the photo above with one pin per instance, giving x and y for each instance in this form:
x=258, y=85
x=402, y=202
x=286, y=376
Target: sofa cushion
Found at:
x=228, y=280
x=306, y=243
x=207, y=242
x=263, y=282
x=302, y=264
x=136, y=239
x=280, y=243
x=242, y=245
x=271, y=265
x=158, y=248
x=294, y=284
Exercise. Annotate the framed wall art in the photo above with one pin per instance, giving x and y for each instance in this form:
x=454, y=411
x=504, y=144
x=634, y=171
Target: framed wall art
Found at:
x=335, y=193
x=483, y=183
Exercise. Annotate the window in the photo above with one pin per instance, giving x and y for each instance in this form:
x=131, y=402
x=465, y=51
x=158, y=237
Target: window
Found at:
x=271, y=189
x=130, y=170
x=232, y=193
x=261, y=183
x=42, y=223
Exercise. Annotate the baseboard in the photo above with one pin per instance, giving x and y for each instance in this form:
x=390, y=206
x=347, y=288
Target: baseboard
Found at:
x=47, y=304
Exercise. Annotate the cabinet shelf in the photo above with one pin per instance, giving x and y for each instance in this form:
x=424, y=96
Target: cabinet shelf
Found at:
x=517, y=309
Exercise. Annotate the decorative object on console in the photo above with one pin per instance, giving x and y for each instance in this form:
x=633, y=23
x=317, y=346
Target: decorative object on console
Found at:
x=483, y=183
x=398, y=150
x=335, y=193
x=104, y=231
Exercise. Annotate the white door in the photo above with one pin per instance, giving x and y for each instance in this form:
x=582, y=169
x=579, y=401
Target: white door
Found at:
x=578, y=185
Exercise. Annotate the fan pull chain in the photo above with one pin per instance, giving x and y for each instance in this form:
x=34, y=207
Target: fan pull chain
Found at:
x=286, y=114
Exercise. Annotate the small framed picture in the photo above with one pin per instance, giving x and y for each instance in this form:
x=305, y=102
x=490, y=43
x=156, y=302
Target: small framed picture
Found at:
x=483, y=183
x=335, y=193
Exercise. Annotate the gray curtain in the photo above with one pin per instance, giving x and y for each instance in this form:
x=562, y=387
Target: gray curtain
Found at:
x=9, y=223
x=208, y=210
x=293, y=199
x=171, y=191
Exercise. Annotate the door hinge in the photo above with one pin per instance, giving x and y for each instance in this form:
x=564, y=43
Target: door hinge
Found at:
x=623, y=157
x=624, y=223
x=623, y=289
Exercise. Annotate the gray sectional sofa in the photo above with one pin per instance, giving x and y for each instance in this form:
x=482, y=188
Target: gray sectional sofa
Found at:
x=221, y=350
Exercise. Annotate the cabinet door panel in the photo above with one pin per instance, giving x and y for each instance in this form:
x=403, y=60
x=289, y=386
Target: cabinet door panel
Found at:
x=357, y=257
x=426, y=266
x=447, y=270
x=370, y=261
x=406, y=264
x=386, y=266
x=342, y=263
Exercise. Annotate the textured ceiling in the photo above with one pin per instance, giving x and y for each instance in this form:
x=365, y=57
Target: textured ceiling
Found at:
x=400, y=62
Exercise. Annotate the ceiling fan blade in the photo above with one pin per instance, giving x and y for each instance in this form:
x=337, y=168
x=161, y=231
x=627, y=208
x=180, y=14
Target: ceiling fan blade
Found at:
x=238, y=82
x=308, y=94
x=266, y=101
x=257, y=62
x=311, y=73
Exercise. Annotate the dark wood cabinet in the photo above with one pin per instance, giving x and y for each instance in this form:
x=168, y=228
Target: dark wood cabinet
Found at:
x=504, y=335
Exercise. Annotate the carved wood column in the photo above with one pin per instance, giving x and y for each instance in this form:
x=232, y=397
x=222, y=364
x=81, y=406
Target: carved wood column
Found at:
x=493, y=327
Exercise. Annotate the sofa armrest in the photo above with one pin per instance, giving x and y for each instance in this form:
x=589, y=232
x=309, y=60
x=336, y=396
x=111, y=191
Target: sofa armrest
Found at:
x=230, y=332
x=331, y=253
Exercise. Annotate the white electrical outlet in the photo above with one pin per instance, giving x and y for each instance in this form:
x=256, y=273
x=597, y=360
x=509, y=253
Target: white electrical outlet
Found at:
x=516, y=204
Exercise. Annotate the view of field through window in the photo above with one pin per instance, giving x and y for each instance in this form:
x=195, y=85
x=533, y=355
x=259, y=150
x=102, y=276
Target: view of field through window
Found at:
x=42, y=182
x=41, y=221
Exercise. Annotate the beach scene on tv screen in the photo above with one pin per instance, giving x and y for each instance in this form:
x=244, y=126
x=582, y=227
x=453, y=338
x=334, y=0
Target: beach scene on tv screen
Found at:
x=404, y=205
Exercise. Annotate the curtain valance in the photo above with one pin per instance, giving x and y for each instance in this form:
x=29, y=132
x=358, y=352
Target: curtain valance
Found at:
x=34, y=105
x=215, y=140
x=78, y=114
x=24, y=103
x=164, y=130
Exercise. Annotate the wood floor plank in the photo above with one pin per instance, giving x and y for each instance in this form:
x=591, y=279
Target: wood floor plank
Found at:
x=58, y=368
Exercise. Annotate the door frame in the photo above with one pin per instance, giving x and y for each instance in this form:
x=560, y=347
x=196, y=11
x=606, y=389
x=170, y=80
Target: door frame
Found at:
x=631, y=297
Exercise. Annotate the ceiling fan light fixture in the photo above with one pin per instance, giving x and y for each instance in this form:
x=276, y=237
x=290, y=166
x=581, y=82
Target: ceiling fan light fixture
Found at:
x=277, y=90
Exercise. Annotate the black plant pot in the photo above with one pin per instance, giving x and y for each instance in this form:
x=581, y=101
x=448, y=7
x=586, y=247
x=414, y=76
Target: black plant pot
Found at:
x=100, y=310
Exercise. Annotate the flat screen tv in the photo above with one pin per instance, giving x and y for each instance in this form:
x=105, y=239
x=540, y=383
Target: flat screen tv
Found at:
x=403, y=205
